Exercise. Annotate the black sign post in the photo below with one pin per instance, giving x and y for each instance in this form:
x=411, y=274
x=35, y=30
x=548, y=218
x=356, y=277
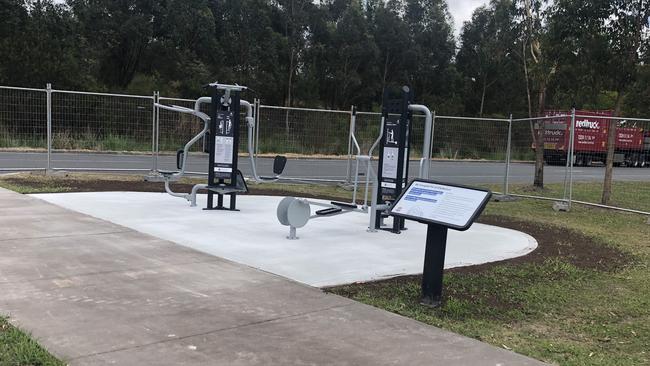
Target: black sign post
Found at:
x=441, y=206
x=434, y=264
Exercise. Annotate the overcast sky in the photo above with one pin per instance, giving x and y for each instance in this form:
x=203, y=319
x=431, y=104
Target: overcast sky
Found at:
x=462, y=10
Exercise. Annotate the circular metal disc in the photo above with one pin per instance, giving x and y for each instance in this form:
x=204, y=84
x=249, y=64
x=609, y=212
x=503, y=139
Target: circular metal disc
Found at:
x=283, y=207
x=298, y=213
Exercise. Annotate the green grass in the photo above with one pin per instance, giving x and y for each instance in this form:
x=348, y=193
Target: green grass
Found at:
x=553, y=310
x=48, y=187
x=18, y=349
x=631, y=195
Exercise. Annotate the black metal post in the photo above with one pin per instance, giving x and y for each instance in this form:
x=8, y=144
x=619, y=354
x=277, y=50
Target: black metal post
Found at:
x=434, y=264
x=395, y=136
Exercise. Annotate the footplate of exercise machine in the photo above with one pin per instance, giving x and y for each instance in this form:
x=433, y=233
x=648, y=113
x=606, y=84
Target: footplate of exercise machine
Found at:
x=226, y=190
x=329, y=211
x=344, y=205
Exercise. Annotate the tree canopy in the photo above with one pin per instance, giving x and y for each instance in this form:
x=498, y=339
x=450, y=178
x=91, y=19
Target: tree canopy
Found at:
x=512, y=56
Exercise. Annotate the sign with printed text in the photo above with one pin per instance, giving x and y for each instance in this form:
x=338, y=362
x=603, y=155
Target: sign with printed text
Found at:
x=449, y=205
x=224, y=141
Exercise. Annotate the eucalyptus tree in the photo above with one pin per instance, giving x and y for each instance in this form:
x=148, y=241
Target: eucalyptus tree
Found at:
x=487, y=45
x=118, y=34
x=40, y=43
x=627, y=28
x=341, y=57
x=431, y=49
x=539, y=67
x=392, y=37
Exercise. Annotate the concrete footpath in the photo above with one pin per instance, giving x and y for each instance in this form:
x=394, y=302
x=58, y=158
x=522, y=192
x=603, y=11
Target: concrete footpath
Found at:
x=95, y=293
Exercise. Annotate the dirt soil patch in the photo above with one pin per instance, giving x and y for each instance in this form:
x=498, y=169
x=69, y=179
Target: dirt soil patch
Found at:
x=557, y=242
x=554, y=243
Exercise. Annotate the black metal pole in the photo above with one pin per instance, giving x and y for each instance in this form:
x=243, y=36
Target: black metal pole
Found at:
x=434, y=264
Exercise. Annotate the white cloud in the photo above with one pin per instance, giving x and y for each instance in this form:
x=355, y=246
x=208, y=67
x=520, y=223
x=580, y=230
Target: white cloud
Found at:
x=461, y=11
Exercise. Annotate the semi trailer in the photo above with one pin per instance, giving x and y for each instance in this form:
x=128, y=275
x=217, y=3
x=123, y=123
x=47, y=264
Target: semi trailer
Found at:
x=632, y=146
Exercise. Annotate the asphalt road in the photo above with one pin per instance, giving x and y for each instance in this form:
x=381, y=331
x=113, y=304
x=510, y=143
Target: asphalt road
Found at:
x=450, y=171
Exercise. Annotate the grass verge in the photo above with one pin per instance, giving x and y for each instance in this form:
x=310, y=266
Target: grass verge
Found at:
x=556, y=310
x=582, y=298
x=18, y=349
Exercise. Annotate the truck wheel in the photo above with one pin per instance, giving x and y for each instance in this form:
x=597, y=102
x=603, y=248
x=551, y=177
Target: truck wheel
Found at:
x=579, y=160
x=588, y=161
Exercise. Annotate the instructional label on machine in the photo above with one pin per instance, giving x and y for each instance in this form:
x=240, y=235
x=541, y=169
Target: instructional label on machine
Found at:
x=223, y=150
x=224, y=144
x=440, y=204
x=389, y=165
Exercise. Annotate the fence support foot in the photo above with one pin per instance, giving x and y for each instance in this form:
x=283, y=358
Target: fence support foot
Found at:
x=503, y=198
x=154, y=177
x=561, y=207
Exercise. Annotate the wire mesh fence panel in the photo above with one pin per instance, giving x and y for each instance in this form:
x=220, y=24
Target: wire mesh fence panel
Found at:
x=176, y=129
x=469, y=151
x=630, y=181
x=417, y=137
x=522, y=142
x=303, y=132
x=367, y=125
x=367, y=131
x=23, y=118
x=470, y=139
x=555, y=151
x=101, y=122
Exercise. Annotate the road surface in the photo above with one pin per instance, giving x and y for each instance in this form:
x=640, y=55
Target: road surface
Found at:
x=465, y=172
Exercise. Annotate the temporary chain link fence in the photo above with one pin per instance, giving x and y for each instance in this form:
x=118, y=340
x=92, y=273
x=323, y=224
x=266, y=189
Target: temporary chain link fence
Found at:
x=63, y=127
x=23, y=115
x=594, y=135
x=100, y=122
x=523, y=149
x=300, y=131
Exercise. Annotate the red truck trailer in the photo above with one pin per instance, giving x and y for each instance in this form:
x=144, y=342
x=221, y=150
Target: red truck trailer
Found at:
x=590, y=140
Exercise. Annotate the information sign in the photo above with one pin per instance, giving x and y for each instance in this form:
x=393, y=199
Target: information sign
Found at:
x=444, y=204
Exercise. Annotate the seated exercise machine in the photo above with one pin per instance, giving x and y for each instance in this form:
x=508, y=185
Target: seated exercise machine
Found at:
x=389, y=180
x=221, y=131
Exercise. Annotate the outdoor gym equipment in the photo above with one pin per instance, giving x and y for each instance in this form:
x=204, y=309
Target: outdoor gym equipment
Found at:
x=221, y=131
x=390, y=178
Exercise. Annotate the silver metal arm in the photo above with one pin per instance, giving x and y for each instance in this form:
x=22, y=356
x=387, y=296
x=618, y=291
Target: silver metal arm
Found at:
x=202, y=100
x=195, y=112
x=206, y=125
x=381, y=134
x=250, y=122
x=428, y=126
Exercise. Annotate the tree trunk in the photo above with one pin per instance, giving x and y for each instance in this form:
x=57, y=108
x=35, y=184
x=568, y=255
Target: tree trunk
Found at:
x=539, y=143
x=530, y=104
x=289, y=85
x=611, y=150
x=383, y=81
x=480, y=113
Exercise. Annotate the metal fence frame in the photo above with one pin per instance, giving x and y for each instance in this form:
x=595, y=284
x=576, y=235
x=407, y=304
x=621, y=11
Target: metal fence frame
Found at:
x=50, y=164
x=48, y=131
x=353, y=113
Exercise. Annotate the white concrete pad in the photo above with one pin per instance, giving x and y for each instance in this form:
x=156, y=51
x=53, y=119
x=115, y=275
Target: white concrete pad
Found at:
x=331, y=250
